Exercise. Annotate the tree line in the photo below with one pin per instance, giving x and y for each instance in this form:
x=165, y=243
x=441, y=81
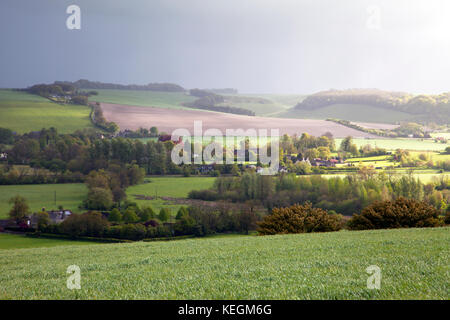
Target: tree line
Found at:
x=346, y=195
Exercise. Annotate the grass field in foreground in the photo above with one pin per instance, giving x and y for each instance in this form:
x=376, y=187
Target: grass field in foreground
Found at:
x=413, y=262
x=175, y=187
x=68, y=195
x=23, y=112
x=17, y=241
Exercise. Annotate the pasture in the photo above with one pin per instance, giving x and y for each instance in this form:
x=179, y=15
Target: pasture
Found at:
x=413, y=263
x=173, y=187
x=68, y=195
x=23, y=112
x=170, y=100
x=18, y=241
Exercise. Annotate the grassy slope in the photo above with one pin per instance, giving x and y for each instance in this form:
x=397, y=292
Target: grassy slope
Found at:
x=69, y=196
x=16, y=241
x=413, y=262
x=260, y=104
x=178, y=187
x=170, y=100
x=351, y=112
x=23, y=112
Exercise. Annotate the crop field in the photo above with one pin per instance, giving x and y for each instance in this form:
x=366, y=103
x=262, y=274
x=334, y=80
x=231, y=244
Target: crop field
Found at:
x=173, y=187
x=68, y=195
x=413, y=263
x=23, y=112
x=132, y=117
x=170, y=100
x=350, y=112
x=399, y=143
x=18, y=241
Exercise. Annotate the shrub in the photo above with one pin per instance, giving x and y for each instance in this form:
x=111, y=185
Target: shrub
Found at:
x=299, y=219
x=133, y=231
x=447, y=216
x=399, y=213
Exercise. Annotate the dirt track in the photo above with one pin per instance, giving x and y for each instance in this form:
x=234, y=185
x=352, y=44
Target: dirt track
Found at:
x=167, y=120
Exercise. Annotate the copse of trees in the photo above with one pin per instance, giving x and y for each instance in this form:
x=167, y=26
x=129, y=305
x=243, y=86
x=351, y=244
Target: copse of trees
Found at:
x=106, y=187
x=214, y=102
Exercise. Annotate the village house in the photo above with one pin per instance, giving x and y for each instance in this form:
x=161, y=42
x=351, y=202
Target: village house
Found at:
x=55, y=217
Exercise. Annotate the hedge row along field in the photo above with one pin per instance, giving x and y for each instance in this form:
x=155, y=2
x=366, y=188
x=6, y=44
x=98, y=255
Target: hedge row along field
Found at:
x=413, y=262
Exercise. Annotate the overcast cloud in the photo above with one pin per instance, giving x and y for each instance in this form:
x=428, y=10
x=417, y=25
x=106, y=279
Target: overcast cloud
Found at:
x=272, y=46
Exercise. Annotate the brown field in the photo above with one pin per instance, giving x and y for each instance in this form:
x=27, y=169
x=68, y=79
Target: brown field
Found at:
x=384, y=126
x=167, y=120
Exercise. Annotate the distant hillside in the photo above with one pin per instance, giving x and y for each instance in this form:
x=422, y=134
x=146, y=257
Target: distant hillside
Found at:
x=423, y=108
x=86, y=84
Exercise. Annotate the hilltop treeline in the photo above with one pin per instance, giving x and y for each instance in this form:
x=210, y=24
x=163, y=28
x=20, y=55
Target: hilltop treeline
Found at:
x=62, y=93
x=86, y=84
x=434, y=108
x=213, y=102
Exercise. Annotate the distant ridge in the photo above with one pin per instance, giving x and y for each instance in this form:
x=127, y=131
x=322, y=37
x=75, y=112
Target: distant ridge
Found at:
x=428, y=108
x=86, y=84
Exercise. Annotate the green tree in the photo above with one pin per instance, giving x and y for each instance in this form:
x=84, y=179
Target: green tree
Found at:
x=115, y=215
x=130, y=216
x=146, y=214
x=99, y=199
x=20, y=208
x=164, y=214
x=43, y=220
x=181, y=212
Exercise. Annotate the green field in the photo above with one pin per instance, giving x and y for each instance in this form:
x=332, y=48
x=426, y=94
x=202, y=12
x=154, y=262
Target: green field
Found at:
x=68, y=195
x=399, y=143
x=170, y=100
x=16, y=241
x=350, y=112
x=174, y=187
x=414, y=265
x=23, y=112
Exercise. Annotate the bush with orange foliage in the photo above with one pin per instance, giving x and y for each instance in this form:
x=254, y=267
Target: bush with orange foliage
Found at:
x=299, y=219
x=398, y=213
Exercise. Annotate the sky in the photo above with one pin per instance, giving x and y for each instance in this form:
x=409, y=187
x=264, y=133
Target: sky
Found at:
x=256, y=46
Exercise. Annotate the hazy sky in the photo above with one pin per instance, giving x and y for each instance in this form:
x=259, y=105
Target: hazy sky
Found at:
x=272, y=46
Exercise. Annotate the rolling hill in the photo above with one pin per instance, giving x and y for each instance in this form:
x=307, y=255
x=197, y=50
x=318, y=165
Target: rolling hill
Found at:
x=23, y=112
